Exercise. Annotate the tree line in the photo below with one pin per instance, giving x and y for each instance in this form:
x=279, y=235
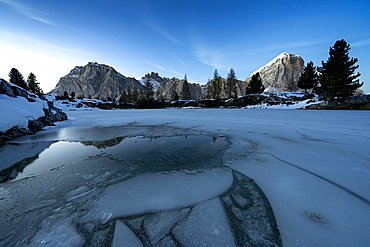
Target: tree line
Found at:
x=229, y=86
x=147, y=91
x=31, y=85
x=336, y=78
x=214, y=88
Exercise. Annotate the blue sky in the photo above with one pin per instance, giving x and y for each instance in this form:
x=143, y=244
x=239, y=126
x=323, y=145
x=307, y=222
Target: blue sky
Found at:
x=175, y=38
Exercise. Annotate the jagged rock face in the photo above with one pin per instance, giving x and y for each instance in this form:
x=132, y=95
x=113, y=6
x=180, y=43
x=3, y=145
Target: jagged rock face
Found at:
x=281, y=74
x=167, y=90
x=95, y=80
x=157, y=77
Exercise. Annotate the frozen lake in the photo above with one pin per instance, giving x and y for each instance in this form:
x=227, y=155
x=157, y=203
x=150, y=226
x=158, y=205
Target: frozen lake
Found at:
x=196, y=180
x=148, y=186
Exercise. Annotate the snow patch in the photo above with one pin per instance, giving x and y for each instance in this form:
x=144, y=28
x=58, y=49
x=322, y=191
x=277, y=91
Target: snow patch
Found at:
x=17, y=111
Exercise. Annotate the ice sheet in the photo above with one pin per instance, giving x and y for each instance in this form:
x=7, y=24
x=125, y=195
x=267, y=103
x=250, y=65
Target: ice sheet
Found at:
x=123, y=236
x=157, y=191
x=205, y=226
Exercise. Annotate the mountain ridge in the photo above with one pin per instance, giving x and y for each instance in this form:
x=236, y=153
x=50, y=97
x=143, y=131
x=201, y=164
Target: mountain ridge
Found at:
x=102, y=81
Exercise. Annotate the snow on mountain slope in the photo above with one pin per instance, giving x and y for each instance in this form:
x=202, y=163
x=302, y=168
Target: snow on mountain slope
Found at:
x=280, y=56
x=155, y=83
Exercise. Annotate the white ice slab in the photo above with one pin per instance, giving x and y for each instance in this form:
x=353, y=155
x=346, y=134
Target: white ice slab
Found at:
x=158, y=225
x=123, y=236
x=157, y=192
x=206, y=225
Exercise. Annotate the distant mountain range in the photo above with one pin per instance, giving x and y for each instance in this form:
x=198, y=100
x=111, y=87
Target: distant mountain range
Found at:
x=102, y=81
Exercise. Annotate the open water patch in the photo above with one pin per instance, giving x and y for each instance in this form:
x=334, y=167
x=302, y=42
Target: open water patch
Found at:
x=156, y=152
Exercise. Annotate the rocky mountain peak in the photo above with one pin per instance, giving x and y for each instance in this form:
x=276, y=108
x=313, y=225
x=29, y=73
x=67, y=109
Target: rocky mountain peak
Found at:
x=155, y=76
x=282, y=73
x=95, y=80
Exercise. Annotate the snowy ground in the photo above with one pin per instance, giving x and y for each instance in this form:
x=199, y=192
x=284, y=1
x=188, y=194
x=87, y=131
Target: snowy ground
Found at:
x=17, y=111
x=313, y=166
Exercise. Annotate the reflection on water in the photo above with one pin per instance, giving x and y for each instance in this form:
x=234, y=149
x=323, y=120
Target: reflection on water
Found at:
x=180, y=151
x=104, y=144
x=57, y=155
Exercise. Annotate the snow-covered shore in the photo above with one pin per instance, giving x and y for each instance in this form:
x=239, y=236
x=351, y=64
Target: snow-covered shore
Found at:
x=313, y=166
x=18, y=111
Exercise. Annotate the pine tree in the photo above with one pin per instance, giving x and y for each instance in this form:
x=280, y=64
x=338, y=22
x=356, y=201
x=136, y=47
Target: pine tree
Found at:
x=123, y=98
x=134, y=95
x=255, y=85
x=185, y=89
x=140, y=94
x=214, y=86
x=231, y=84
x=33, y=84
x=129, y=95
x=16, y=78
x=337, y=78
x=176, y=98
x=308, y=78
x=148, y=88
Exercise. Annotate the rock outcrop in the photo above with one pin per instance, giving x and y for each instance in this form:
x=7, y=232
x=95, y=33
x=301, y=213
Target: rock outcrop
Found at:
x=281, y=74
x=14, y=91
x=95, y=80
x=168, y=89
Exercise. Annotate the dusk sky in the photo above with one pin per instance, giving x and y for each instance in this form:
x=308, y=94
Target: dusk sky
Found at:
x=175, y=38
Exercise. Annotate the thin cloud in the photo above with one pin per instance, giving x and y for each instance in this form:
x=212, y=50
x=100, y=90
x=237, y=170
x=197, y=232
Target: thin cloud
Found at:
x=155, y=65
x=175, y=72
x=211, y=57
x=27, y=11
x=161, y=30
x=218, y=57
x=45, y=46
x=284, y=47
x=144, y=14
x=163, y=69
x=42, y=20
x=361, y=43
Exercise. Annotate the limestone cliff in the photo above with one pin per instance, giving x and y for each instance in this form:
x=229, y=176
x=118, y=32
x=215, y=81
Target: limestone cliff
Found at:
x=169, y=88
x=281, y=74
x=95, y=80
